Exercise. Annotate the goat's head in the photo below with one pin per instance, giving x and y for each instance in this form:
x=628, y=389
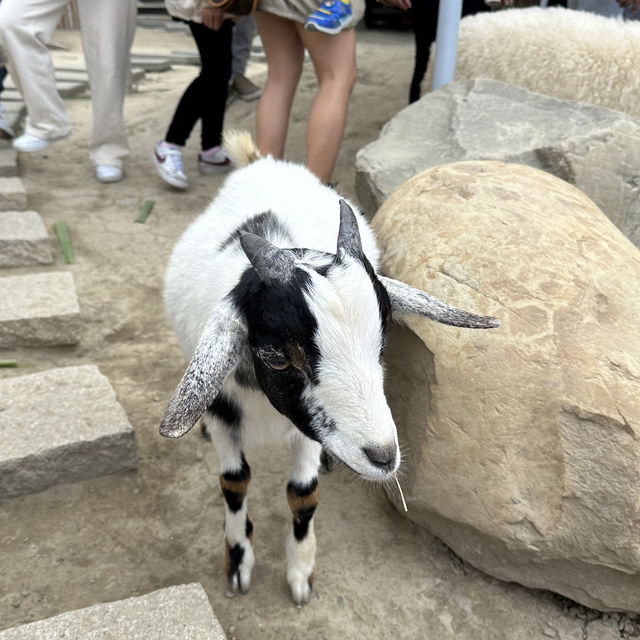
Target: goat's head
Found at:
x=315, y=325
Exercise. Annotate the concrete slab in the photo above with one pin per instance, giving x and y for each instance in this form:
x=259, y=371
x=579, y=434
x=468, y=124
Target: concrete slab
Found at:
x=23, y=239
x=66, y=89
x=181, y=612
x=62, y=425
x=153, y=63
x=39, y=309
x=8, y=160
x=185, y=57
x=79, y=74
x=13, y=196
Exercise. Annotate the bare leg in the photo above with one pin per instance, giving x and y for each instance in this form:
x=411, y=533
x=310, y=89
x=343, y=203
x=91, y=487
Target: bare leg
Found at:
x=285, y=55
x=302, y=494
x=334, y=59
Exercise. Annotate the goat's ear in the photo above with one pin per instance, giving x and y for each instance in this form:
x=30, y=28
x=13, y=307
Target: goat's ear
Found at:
x=270, y=262
x=349, y=243
x=407, y=299
x=215, y=356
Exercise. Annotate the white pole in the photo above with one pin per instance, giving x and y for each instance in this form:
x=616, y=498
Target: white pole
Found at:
x=449, y=12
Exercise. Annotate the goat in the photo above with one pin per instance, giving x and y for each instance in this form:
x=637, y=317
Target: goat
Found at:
x=285, y=327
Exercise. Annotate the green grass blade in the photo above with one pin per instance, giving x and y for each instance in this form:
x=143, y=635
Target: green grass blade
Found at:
x=145, y=211
x=62, y=231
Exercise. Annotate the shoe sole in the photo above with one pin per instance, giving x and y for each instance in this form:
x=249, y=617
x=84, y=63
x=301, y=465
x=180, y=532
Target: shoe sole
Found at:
x=212, y=169
x=249, y=97
x=312, y=26
x=170, y=180
x=49, y=142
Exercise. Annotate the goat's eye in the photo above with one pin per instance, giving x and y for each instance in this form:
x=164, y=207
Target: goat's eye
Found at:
x=273, y=358
x=279, y=363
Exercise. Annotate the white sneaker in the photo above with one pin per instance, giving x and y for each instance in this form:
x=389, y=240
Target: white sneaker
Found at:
x=29, y=143
x=168, y=160
x=108, y=173
x=214, y=160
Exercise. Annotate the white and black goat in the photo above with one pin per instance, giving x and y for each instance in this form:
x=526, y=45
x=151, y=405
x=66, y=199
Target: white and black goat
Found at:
x=274, y=294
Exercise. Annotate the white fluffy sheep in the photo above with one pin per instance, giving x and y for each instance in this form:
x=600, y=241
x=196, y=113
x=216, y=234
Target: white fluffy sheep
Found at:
x=570, y=55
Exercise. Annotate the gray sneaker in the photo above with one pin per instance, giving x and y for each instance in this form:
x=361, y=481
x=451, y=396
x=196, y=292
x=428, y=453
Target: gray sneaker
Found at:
x=245, y=89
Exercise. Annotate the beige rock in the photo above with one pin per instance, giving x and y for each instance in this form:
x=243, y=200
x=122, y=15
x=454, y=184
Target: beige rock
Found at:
x=522, y=449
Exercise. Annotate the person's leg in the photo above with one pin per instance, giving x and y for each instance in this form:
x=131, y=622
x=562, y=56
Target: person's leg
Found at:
x=26, y=27
x=285, y=54
x=243, y=33
x=107, y=28
x=424, y=20
x=334, y=60
x=205, y=98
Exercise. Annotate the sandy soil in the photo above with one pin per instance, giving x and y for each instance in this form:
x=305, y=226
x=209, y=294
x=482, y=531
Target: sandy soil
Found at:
x=378, y=575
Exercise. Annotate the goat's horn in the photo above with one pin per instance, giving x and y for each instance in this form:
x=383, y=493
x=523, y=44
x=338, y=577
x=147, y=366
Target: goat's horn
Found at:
x=215, y=356
x=348, y=235
x=407, y=299
x=269, y=261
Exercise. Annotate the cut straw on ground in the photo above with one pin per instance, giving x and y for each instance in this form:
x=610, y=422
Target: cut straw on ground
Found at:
x=146, y=209
x=62, y=231
x=8, y=363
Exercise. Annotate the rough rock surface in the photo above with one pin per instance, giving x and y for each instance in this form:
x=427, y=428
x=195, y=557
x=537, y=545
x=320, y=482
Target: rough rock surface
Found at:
x=61, y=425
x=522, y=443
x=594, y=148
x=39, y=309
x=23, y=239
x=182, y=613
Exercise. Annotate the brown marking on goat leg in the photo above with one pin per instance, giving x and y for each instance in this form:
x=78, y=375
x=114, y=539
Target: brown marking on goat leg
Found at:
x=303, y=503
x=234, y=486
x=297, y=502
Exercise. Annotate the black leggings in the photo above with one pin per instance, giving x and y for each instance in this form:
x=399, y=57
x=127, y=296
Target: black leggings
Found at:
x=206, y=97
x=424, y=18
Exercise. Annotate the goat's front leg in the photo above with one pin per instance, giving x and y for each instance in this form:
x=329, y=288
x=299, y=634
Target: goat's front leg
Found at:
x=235, y=475
x=302, y=494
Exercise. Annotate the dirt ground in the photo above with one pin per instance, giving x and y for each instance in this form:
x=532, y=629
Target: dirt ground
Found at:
x=378, y=575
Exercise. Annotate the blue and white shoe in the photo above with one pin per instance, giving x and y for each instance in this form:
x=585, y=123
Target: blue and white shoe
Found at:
x=332, y=17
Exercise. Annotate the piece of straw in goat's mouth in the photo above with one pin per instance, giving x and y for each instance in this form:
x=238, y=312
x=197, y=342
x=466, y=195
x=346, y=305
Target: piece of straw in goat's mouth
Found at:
x=404, y=504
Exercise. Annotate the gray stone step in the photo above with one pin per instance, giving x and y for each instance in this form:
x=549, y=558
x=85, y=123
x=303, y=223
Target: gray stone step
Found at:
x=66, y=89
x=40, y=309
x=79, y=74
x=8, y=161
x=13, y=196
x=23, y=239
x=185, y=57
x=152, y=63
x=182, y=612
x=62, y=425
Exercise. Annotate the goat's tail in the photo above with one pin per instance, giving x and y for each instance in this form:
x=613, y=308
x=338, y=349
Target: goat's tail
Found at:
x=241, y=147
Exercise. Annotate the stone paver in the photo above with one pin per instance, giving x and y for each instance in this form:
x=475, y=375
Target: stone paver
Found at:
x=184, y=57
x=23, y=239
x=154, y=63
x=181, y=612
x=39, y=309
x=61, y=425
x=8, y=162
x=12, y=194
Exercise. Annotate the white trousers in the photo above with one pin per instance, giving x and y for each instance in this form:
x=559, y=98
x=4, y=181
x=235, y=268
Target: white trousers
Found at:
x=107, y=28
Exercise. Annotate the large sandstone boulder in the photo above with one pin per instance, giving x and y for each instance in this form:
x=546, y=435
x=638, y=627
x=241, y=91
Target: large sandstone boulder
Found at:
x=522, y=444
x=594, y=148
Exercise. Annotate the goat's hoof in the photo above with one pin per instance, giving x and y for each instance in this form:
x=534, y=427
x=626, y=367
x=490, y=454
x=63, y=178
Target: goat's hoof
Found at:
x=239, y=582
x=301, y=589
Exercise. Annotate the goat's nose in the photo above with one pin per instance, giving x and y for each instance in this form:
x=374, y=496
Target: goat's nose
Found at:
x=382, y=457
